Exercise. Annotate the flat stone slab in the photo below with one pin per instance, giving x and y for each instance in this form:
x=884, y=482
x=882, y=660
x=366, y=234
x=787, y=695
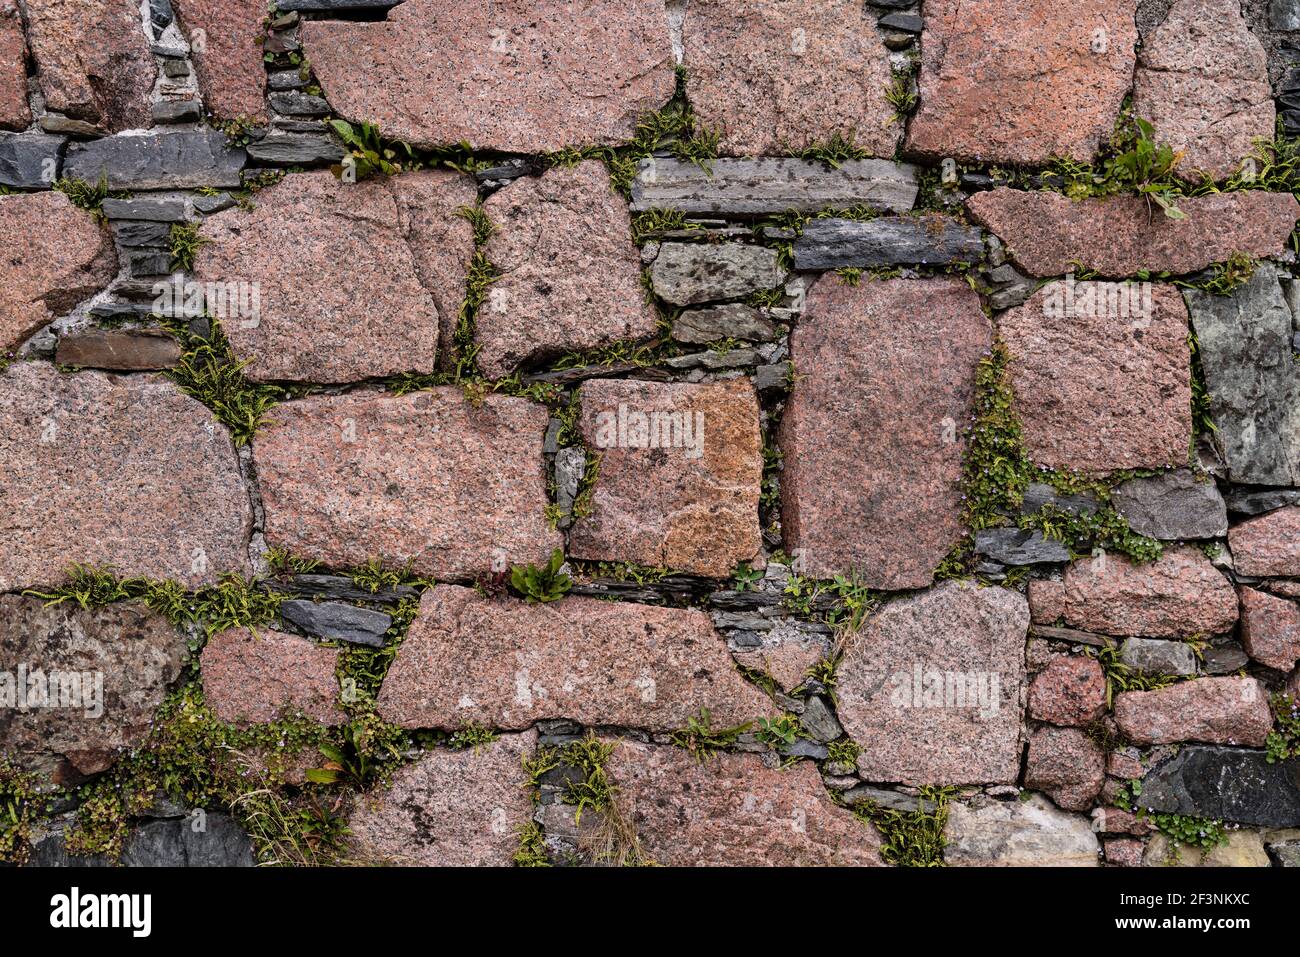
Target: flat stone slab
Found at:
x=255, y=676
x=1019, y=546
x=79, y=686
x=774, y=78
x=570, y=276
x=232, y=76
x=52, y=256
x=1270, y=629
x=929, y=240
x=1102, y=375
x=1021, y=84
x=30, y=160
x=448, y=809
x=933, y=687
x=118, y=349
x=1268, y=544
x=427, y=478
x=595, y=662
x=873, y=435
x=1155, y=656
x=338, y=621
x=681, y=473
x=769, y=186
x=347, y=305
x=1226, y=784
x=520, y=76
x=173, y=159
x=1175, y=505
x=120, y=471
x=1210, y=710
x=732, y=810
x=1048, y=234
x=686, y=274
x=1180, y=594
x=1029, y=833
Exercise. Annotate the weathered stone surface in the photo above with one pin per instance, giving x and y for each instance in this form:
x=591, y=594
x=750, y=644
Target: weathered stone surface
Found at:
x=448, y=809
x=1097, y=391
x=1240, y=849
x=1067, y=75
x=348, y=304
x=174, y=842
x=1153, y=656
x=1245, y=346
x=52, y=256
x=1256, y=501
x=570, y=275
x=294, y=150
x=124, y=350
x=1071, y=690
x=1174, y=505
x=1268, y=544
x=1019, y=546
x=1202, y=82
x=15, y=114
x=256, y=676
x=786, y=74
x=426, y=478
x=932, y=687
x=1179, y=595
x=228, y=58
x=1227, y=784
x=1046, y=600
x=734, y=811
x=769, y=186
x=148, y=210
x=681, y=472
x=1064, y=763
x=1032, y=833
x=523, y=76
x=338, y=621
x=871, y=435
x=932, y=239
x=1047, y=233
x=785, y=653
x=590, y=661
x=688, y=273
x=173, y=159
x=107, y=668
x=733, y=320
x=1270, y=629
x=106, y=470
x=29, y=160
x=93, y=60
x=1212, y=710
x=1123, y=851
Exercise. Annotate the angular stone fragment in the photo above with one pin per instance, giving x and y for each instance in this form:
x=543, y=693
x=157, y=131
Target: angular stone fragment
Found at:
x=570, y=277
x=30, y=160
x=174, y=842
x=148, y=210
x=228, y=58
x=1096, y=389
x=1048, y=234
x=1021, y=82
x=1226, y=784
x=1031, y=833
x=1239, y=849
x=1071, y=690
x=681, y=473
x=52, y=256
x=172, y=159
x=1202, y=82
x=293, y=150
x=521, y=76
x=1019, y=546
x=427, y=478
x=1178, y=595
x=1174, y=505
x=1211, y=710
x=1268, y=544
x=254, y=676
x=15, y=114
x=871, y=435
x=338, y=621
x=448, y=809
x=932, y=239
x=733, y=320
x=1046, y=600
x=734, y=811
x=1064, y=763
x=932, y=687
x=688, y=273
x=1256, y=501
x=1123, y=851
x=348, y=305
x=93, y=60
x=1270, y=629
x=768, y=186
x=121, y=471
x=77, y=686
x=1245, y=347
x=776, y=77
x=123, y=350
x=594, y=662
x=1153, y=656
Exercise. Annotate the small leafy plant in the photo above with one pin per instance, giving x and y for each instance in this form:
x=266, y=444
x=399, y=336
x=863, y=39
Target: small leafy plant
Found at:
x=701, y=739
x=370, y=153
x=541, y=585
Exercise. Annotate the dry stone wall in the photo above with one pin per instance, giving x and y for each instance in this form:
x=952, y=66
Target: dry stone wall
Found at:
x=725, y=432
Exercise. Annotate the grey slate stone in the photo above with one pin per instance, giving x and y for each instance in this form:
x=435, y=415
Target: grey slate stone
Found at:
x=177, y=111
x=1019, y=546
x=148, y=262
x=296, y=103
x=771, y=378
x=1173, y=505
x=207, y=205
x=296, y=150
x=1228, y=784
x=173, y=842
x=338, y=621
x=133, y=233
x=154, y=210
x=1256, y=501
x=1225, y=659
x=67, y=126
x=903, y=22
x=343, y=588
x=283, y=80
x=887, y=241
x=740, y=188
x=1284, y=14
x=1040, y=494
x=173, y=159
x=29, y=160
x=733, y=320
x=1155, y=657
x=803, y=748
x=818, y=722
x=686, y=274
x=891, y=800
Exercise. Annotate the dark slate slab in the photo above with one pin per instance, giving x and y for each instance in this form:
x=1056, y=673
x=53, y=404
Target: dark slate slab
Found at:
x=177, y=159
x=153, y=210
x=888, y=241
x=29, y=160
x=338, y=621
x=1019, y=546
x=1230, y=784
x=296, y=150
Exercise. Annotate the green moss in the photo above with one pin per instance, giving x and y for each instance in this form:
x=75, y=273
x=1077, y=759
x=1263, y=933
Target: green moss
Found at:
x=532, y=847
x=778, y=732
x=1284, y=740
x=1120, y=677
x=834, y=152
x=1227, y=276
x=88, y=196
x=844, y=751
x=20, y=809
x=911, y=838
x=653, y=222
x=701, y=739
x=184, y=243
x=475, y=736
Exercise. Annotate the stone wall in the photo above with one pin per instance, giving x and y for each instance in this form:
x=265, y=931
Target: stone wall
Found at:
x=679, y=431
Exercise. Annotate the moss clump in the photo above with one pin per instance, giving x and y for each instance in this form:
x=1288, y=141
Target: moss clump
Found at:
x=702, y=740
x=18, y=812
x=911, y=838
